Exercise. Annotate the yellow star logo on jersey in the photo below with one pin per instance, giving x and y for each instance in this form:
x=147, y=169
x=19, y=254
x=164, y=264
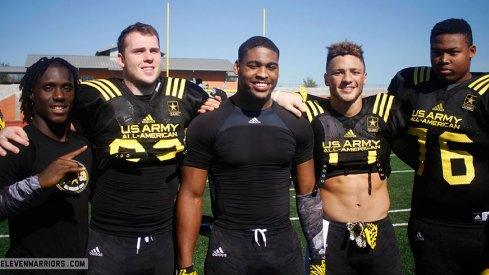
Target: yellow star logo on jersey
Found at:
x=469, y=102
x=373, y=124
x=173, y=108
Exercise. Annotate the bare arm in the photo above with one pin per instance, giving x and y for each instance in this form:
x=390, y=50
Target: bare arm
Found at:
x=304, y=178
x=61, y=166
x=189, y=212
x=9, y=134
x=290, y=101
x=210, y=104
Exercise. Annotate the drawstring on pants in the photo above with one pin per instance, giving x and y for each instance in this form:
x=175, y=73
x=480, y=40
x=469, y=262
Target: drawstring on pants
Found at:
x=262, y=233
x=146, y=240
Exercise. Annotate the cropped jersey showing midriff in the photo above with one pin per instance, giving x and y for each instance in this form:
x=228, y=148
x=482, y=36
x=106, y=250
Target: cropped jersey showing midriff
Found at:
x=359, y=144
x=138, y=144
x=249, y=156
x=352, y=156
x=447, y=144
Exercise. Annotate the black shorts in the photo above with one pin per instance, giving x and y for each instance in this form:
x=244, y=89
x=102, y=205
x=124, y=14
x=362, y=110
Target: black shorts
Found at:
x=448, y=248
x=343, y=256
x=248, y=252
x=108, y=254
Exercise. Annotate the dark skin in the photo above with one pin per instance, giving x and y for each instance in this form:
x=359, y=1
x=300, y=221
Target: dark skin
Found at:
x=52, y=98
x=450, y=57
x=58, y=169
x=257, y=77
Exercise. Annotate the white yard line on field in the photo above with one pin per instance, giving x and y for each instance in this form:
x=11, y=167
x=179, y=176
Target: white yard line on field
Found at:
x=402, y=171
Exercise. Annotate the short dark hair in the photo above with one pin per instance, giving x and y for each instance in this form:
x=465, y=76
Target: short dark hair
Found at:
x=32, y=75
x=342, y=49
x=137, y=27
x=453, y=26
x=255, y=42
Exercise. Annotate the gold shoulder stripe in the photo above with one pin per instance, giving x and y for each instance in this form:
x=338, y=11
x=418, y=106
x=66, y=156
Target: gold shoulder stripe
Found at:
x=421, y=74
x=382, y=105
x=313, y=109
x=169, y=83
x=112, y=87
x=104, y=87
x=481, y=84
x=175, y=87
x=303, y=93
x=181, y=89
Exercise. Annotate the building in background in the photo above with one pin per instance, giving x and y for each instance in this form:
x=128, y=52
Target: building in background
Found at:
x=215, y=73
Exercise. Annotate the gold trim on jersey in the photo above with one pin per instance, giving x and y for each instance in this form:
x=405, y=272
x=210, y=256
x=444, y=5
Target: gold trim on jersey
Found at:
x=372, y=157
x=313, y=109
x=333, y=159
x=303, y=93
x=175, y=87
x=421, y=74
x=481, y=84
x=382, y=105
x=106, y=88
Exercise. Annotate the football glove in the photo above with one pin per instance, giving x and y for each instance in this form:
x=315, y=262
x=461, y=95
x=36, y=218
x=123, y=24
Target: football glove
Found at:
x=317, y=267
x=187, y=271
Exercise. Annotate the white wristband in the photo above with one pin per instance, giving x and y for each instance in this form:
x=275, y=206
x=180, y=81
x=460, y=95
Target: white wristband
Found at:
x=275, y=95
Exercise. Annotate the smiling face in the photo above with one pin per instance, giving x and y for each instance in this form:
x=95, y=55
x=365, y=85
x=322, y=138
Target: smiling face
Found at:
x=450, y=57
x=140, y=60
x=53, y=96
x=345, y=77
x=258, y=72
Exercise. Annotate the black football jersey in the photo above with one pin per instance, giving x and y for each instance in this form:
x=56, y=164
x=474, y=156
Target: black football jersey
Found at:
x=358, y=144
x=447, y=144
x=138, y=143
x=120, y=125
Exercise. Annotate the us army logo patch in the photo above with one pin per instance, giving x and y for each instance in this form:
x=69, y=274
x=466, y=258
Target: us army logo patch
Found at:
x=173, y=108
x=373, y=124
x=469, y=102
x=74, y=182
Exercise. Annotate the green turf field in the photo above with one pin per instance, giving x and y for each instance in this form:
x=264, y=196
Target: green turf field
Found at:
x=400, y=186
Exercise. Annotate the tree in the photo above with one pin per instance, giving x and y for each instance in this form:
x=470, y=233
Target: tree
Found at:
x=309, y=83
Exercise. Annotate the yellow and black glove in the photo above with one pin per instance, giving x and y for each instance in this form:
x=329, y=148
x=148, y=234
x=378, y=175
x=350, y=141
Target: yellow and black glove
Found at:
x=187, y=271
x=317, y=267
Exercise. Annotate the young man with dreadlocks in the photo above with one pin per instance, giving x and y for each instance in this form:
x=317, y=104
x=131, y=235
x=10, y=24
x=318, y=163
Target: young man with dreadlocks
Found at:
x=447, y=145
x=47, y=221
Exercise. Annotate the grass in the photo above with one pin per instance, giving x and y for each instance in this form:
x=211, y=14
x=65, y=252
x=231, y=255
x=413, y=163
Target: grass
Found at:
x=400, y=186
